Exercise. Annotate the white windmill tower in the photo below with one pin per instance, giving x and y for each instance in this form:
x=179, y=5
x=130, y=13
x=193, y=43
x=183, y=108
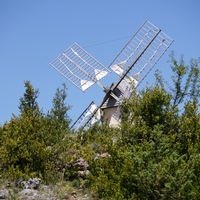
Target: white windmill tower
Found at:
x=132, y=64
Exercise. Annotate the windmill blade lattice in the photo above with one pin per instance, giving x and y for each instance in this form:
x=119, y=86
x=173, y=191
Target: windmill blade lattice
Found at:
x=79, y=67
x=92, y=111
x=142, y=52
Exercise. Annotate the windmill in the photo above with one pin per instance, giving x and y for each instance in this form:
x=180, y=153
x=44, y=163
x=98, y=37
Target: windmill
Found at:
x=132, y=64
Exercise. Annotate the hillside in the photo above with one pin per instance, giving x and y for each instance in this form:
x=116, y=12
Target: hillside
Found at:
x=153, y=154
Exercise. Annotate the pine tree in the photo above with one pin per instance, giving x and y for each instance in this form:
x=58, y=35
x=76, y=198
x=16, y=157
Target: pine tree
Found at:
x=57, y=120
x=60, y=110
x=28, y=103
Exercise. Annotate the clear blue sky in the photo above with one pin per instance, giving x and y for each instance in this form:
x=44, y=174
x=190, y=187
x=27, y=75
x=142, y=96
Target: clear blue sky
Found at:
x=33, y=33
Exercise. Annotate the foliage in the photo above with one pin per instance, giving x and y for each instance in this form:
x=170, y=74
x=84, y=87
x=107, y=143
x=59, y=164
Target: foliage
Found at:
x=153, y=154
x=28, y=101
x=57, y=120
x=156, y=155
x=28, y=140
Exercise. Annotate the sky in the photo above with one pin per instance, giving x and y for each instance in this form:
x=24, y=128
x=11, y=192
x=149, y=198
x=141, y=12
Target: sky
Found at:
x=34, y=33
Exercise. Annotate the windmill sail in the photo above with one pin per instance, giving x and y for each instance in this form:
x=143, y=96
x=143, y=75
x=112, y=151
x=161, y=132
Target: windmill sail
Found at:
x=141, y=52
x=91, y=110
x=79, y=67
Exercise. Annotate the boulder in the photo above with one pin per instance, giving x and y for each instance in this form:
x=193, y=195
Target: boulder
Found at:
x=32, y=183
x=71, y=196
x=81, y=164
x=4, y=194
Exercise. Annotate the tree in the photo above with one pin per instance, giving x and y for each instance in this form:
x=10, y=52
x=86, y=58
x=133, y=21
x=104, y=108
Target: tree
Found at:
x=30, y=140
x=23, y=152
x=156, y=154
x=58, y=121
x=60, y=109
x=28, y=102
x=186, y=80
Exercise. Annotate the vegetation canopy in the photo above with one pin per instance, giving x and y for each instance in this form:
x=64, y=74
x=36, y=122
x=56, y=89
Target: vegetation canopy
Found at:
x=153, y=154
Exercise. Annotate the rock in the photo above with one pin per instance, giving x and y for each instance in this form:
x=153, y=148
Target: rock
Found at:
x=102, y=155
x=81, y=167
x=83, y=173
x=28, y=192
x=32, y=194
x=81, y=164
x=4, y=194
x=72, y=196
x=32, y=183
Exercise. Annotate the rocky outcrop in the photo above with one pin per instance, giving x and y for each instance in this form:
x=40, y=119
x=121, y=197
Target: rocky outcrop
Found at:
x=32, y=183
x=102, y=155
x=81, y=167
x=32, y=189
x=4, y=194
x=80, y=164
x=71, y=196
